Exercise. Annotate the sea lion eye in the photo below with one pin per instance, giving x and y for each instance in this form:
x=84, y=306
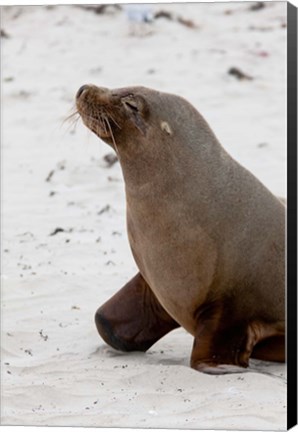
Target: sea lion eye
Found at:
x=130, y=104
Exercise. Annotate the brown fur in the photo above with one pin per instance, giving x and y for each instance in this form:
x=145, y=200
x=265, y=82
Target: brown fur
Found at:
x=207, y=236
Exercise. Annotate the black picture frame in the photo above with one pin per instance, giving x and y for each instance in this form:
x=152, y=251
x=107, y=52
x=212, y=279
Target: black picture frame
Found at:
x=292, y=216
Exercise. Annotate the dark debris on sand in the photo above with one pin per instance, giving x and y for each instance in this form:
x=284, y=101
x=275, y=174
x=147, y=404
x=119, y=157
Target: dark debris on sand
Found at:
x=257, y=6
x=56, y=231
x=169, y=16
x=100, y=9
x=4, y=34
x=110, y=159
x=237, y=73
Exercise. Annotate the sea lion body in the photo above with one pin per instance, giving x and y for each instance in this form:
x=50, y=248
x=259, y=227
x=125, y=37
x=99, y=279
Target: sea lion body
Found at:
x=207, y=236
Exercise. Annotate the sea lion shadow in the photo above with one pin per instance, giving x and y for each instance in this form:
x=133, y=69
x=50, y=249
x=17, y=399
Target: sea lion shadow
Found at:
x=274, y=369
x=153, y=357
x=147, y=358
x=109, y=352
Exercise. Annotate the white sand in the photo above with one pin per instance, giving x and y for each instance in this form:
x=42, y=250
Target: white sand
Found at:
x=55, y=368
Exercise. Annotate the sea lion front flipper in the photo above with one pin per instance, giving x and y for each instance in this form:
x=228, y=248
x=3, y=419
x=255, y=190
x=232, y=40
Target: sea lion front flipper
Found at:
x=218, y=341
x=133, y=319
x=224, y=344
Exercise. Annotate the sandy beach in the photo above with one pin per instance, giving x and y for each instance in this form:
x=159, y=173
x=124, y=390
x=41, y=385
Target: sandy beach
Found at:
x=64, y=244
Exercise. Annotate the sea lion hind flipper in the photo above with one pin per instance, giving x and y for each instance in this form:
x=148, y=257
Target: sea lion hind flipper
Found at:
x=271, y=349
x=133, y=319
x=224, y=344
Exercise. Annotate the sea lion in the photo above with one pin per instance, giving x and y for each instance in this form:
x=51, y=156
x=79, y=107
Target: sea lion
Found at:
x=208, y=238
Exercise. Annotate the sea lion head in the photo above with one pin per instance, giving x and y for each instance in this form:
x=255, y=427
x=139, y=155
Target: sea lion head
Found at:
x=131, y=118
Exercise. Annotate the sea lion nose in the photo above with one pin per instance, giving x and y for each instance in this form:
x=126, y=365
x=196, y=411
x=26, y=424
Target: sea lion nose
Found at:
x=81, y=90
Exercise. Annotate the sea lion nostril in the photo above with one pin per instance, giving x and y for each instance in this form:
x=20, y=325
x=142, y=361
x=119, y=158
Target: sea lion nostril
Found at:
x=81, y=90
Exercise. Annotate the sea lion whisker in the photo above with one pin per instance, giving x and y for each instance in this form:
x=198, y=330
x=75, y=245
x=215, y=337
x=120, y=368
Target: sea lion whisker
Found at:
x=96, y=129
x=111, y=132
x=103, y=124
x=113, y=120
x=72, y=118
x=71, y=121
